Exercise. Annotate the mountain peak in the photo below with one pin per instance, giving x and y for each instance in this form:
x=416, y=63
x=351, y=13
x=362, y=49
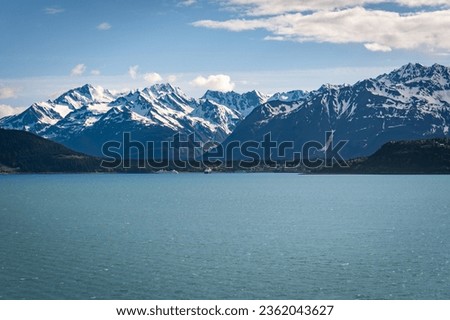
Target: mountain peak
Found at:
x=412, y=71
x=84, y=95
x=167, y=87
x=243, y=103
x=329, y=86
x=162, y=89
x=87, y=86
x=214, y=94
x=84, y=90
x=257, y=93
x=438, y=68
x=289, y=96
x=88, y=90
x=412, y=65
x=217, y=93
x=410, y=68
x=405, y=73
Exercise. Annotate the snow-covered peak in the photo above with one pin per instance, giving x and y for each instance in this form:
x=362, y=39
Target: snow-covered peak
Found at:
x=256, y=96
x=214, y=95
x=129, y=97
x=439, y=73
x=81, y=96
x=410, y=69
x=35, y=118
x=169, y=96
x=330, y=87
x=244, y=103
x=156, y=91
x=403, y=74
x=417, y=77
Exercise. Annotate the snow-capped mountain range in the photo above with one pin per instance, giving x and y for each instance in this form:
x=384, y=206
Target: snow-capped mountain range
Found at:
x=84, y=118
x=412, y=102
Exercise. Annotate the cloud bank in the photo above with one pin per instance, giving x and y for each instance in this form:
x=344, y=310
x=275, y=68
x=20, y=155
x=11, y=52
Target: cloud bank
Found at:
x=424, y=26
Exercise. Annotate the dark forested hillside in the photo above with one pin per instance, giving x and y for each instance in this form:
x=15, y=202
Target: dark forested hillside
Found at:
x=22, y=151
x=418, y=156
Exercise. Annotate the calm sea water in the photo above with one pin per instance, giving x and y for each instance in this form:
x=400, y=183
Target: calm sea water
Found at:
x=224, y=236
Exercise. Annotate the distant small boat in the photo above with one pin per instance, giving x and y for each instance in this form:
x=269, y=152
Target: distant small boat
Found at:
x=207, y=171
x=162, y=171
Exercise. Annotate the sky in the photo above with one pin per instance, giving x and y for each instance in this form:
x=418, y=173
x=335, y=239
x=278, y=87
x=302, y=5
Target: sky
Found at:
x=49, y=47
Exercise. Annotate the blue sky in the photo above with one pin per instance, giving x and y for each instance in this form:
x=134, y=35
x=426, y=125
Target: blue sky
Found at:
x=51, y=46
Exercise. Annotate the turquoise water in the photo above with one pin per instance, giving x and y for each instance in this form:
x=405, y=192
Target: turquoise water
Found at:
x=224, y=236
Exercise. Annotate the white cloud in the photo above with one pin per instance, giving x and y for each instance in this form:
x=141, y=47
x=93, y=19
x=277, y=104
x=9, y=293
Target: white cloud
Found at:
x=7, y=92
x=377, y=29
x=219, y=82
x=78, y=70
x=187, y=3
x=377, y=47
x=95, y=72
x=172, y=78
x=152, y=77
x=133, y=71
x=277, y=7
x=6, y=110
x=104, y=26
x=234, y=24
x=421, y=3
x=53, y=10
